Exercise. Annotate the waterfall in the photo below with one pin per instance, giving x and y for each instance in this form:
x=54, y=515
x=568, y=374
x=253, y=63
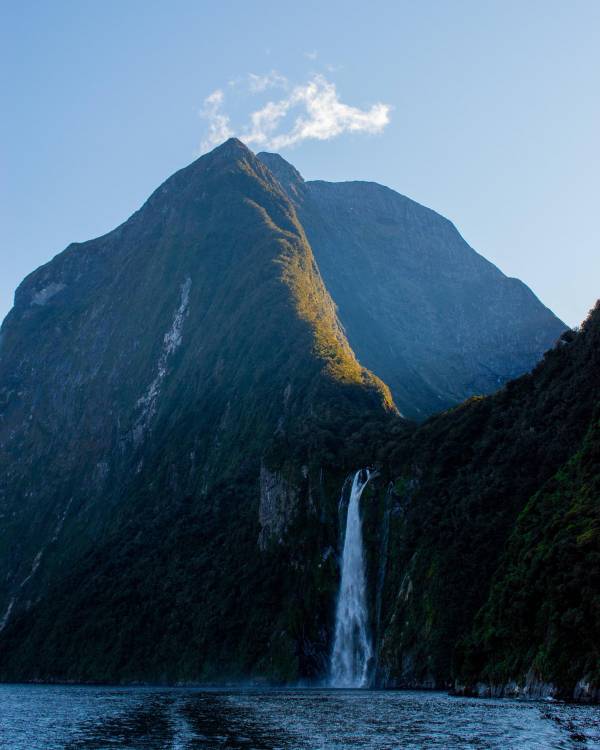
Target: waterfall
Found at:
x=352, y=648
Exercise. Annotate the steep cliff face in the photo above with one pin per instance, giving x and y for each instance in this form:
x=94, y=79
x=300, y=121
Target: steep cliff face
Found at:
x=435, y=320
x=145, y=377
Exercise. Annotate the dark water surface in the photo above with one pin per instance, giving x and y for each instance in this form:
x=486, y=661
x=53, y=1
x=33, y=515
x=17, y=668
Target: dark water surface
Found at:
x=102, y=718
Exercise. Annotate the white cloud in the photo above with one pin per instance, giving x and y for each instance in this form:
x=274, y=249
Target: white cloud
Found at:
x=219, y=128
x=311, y=55
x=322, y=116
x=264, y=122
x=312, y=110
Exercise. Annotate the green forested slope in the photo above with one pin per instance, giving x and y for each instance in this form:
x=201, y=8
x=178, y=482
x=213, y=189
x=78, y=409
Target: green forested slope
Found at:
x=521, y=466
x=543, y=612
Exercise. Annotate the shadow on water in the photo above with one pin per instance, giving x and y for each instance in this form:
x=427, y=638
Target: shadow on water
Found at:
x=149, y=725
x=222, y=724
x=177, y=722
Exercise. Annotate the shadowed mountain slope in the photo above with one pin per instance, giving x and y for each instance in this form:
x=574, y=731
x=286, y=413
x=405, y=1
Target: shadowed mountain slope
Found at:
x=434, y=319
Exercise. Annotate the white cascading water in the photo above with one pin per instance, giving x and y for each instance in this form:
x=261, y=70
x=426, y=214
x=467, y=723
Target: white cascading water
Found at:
x=352, y=649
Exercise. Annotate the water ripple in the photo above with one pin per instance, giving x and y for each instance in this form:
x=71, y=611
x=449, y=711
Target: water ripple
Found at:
x=101, y=718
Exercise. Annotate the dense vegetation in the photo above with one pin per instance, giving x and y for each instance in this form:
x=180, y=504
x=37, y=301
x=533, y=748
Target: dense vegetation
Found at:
x=543, y=612
x=507, y=481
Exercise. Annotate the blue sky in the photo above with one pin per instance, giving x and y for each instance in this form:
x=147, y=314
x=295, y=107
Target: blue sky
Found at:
x=486, y=111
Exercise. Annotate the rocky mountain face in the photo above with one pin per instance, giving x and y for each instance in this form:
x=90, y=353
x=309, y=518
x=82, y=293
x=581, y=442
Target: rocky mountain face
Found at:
x=184, y=400
x=433, y=318
x=153, y=370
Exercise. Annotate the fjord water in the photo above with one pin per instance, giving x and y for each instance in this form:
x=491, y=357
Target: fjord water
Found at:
x=104, y=718
x=352, y=649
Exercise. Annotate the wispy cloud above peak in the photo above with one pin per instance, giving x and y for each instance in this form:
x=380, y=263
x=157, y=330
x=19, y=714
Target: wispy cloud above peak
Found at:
x=312, y=110
x=322, y=116
x=219, y=128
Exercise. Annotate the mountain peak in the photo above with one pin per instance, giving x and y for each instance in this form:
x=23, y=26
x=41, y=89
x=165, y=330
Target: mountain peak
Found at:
x=231, y=150
x=231, y=146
